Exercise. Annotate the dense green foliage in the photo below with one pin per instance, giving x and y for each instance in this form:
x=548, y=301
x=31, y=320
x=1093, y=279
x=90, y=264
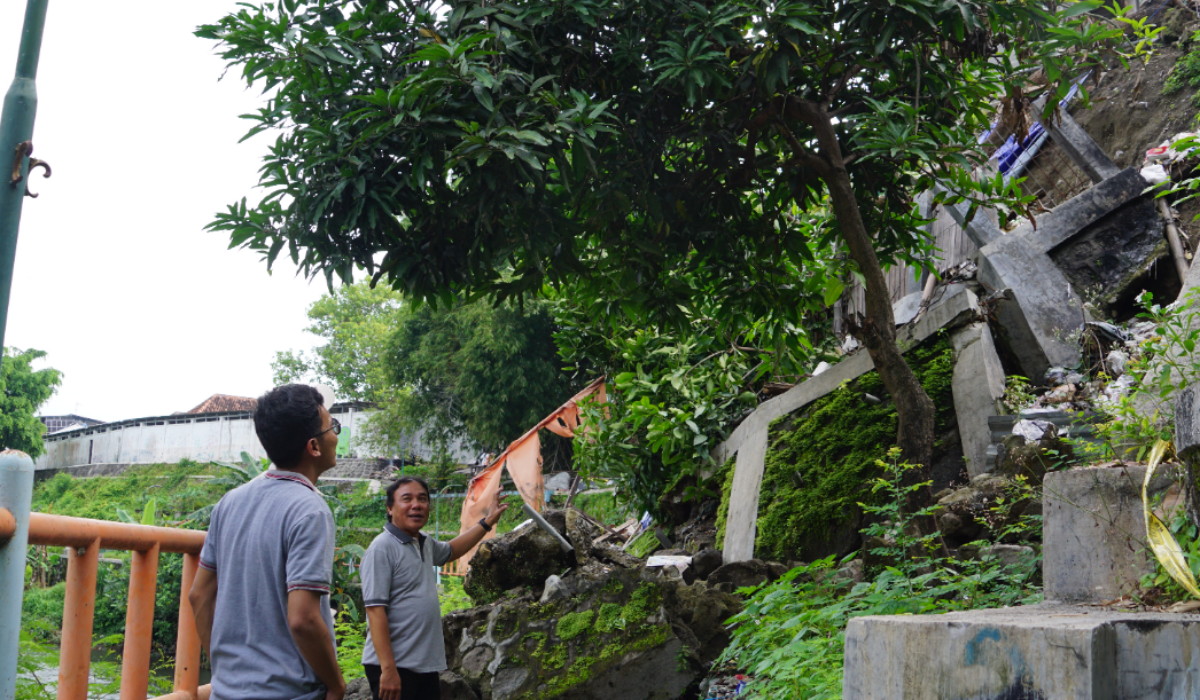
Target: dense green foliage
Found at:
x=498, y=146
x=475, y=371
x=472, y=372
x=671, y=400
x=819, y=458
x=643, y=157
x=22, y=390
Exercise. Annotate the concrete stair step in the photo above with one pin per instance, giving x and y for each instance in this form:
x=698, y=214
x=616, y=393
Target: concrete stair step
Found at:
x=1040, y=652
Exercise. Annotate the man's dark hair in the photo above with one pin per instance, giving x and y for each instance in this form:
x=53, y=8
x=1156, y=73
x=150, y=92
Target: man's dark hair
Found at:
x=391, y=489
x=285, y=418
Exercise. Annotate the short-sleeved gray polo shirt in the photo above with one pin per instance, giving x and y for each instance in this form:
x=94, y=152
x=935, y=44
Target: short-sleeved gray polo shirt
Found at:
x=398, y=573
x=266, y=538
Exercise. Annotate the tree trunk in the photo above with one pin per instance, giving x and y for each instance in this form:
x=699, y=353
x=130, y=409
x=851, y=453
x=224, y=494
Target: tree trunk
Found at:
x=914, y=409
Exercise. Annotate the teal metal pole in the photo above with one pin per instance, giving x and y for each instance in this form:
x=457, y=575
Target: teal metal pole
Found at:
x=16, y=128
x=16, y=493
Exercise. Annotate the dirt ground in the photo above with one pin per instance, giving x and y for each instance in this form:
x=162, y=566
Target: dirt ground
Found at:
x=1128, y=113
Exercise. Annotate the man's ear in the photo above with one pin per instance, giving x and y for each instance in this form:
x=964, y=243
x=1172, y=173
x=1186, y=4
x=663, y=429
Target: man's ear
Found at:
x=313, y=447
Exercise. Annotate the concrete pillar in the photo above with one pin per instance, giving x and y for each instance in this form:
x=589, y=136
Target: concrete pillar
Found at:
x=977, y=387
x=1046, y=311
x=1079, y=146
x=16, y=493
x=979, y=229
x=742, y=519
x=1095, y=531
x=1187, y=424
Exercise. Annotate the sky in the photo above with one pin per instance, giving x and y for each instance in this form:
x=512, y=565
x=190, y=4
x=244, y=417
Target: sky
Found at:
x=143, y=311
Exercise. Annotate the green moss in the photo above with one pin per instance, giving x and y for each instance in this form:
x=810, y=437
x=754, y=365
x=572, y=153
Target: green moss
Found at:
x=819, y=459
x=614, y=587
x=572, y=625
x=642, y=545
x=506, y=624
x=723, y=507
x=534, y=642
x=556, y=658
x=609, y=618
x=644, y=602
x=620, y=630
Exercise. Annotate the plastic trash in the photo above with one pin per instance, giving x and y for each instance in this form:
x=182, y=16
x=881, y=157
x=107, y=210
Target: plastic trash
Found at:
x=1155, y=174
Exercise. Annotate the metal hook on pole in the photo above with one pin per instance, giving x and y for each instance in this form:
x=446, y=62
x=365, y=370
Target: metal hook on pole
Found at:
x=22, y=151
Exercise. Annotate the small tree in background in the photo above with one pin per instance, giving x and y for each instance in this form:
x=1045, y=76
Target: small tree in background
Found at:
x=22, y=391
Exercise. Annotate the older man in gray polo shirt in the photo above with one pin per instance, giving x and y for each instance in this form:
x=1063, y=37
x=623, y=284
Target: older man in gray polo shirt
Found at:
x=399, y=589
x=261, y=595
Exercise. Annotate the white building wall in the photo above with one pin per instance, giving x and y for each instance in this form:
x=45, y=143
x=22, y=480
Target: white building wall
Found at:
x=211, y=437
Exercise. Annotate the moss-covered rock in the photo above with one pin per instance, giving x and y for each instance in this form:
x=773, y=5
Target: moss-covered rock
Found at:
x=625, y=633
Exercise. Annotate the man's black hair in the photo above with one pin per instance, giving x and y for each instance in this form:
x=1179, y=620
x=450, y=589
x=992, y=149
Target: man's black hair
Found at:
x=391, y=489
x=285, y=418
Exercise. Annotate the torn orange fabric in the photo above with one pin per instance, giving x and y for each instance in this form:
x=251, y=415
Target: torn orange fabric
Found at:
x=525, y=467
x=524, y=460
x=564, y=421
x=480, y=493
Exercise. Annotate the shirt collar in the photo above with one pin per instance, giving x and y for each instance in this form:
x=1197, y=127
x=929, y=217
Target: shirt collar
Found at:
x=290, y=476
x=396, y=532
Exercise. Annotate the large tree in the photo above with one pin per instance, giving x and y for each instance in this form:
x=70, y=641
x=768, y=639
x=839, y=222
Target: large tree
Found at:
x=625, y=146
x=23, y=390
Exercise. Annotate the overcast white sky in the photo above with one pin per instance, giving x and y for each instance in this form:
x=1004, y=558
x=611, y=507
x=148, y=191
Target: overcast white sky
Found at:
x=143, y=311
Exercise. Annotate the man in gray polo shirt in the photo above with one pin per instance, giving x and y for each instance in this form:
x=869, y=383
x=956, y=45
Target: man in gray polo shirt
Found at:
x=261, y=594
x=399, y=589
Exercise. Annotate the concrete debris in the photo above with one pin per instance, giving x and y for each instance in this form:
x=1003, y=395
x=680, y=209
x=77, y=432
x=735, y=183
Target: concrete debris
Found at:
x=1034, y=430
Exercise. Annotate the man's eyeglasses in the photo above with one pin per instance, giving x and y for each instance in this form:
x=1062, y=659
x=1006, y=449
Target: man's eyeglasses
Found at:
x=334, y=425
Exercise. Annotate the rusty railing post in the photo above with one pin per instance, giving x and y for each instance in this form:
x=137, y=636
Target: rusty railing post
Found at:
x=139, y=624
x=16, y=492
x=79, y=607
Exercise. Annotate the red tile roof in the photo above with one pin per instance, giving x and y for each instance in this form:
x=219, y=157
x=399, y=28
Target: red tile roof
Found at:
x=224, y=402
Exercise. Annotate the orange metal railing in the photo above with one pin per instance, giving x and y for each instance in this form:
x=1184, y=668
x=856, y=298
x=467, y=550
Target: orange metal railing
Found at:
x=86, y=538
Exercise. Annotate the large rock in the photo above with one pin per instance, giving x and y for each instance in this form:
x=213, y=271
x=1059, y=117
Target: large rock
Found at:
x=749, y=572
x=624, y=634
x=523, y=558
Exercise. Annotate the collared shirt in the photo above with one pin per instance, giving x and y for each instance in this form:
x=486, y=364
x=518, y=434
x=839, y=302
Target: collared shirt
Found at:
x=398, y=573
x=266, y=538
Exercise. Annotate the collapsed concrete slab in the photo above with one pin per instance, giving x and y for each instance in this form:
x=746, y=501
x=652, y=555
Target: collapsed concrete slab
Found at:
x=1036, y=652
x=978, y=386
x=956, y=306
x=1043, y=306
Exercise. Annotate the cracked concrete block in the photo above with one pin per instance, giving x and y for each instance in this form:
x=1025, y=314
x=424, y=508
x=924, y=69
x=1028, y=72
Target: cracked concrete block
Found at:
x=1043, y=313
x=1187, y=424
x=1036, y=652
x=1095, y=532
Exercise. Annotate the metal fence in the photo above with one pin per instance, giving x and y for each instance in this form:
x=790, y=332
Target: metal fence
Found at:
x=84, y=539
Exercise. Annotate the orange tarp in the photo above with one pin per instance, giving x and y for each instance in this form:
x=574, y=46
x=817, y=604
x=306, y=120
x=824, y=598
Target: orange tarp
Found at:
x=480, y=492
x=523, y=457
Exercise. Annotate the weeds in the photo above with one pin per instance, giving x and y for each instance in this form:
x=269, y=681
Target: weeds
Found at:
x=791, y=633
